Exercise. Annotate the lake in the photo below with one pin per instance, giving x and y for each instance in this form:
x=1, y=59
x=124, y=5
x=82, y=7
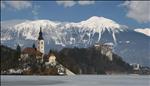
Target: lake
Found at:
x=77, y=80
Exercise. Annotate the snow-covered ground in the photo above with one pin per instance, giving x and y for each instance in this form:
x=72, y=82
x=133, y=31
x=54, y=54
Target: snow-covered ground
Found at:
x=78, y=80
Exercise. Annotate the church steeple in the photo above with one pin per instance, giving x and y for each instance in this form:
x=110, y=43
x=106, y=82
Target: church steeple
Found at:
x=40, y=42
x=40, y=35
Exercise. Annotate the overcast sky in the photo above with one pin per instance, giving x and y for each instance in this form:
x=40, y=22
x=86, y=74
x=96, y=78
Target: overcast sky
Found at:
x=135, y=14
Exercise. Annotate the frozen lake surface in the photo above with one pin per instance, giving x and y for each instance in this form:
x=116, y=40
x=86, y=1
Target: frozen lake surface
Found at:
x=78, y=80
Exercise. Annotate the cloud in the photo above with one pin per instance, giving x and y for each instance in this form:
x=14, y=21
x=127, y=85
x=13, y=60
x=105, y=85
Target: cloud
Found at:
x=86, y=2
x=138, y=10
x=145, y=31
x=72, y=3
x=17, y=5
x=66, y=3
x=20, y=5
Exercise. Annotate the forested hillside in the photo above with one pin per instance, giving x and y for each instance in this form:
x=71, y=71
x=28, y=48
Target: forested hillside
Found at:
x=9, y=58
x=91, y=61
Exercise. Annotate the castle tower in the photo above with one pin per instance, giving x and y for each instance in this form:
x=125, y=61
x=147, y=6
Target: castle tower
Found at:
x=40, y=42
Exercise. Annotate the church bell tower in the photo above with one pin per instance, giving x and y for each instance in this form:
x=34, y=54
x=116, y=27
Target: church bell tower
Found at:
x=40, y=42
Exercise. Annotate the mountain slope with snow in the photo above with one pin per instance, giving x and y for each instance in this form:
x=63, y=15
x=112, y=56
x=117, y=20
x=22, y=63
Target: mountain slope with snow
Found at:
x=58, y=35
x=29, y=29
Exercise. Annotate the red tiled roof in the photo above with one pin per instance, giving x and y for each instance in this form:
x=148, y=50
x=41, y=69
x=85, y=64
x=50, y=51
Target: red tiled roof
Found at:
x=31, y=51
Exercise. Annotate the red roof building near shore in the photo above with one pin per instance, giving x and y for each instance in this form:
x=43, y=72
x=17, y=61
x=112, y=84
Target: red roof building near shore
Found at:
x=31, y=51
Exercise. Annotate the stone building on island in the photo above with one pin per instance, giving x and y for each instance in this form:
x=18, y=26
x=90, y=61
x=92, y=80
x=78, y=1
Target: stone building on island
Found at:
x=105, y=49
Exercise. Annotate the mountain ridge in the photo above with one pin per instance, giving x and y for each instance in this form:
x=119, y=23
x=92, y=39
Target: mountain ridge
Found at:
x=58, y=35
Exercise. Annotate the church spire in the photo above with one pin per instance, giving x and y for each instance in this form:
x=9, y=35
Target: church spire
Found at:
x=40, y=42
x=40, y=35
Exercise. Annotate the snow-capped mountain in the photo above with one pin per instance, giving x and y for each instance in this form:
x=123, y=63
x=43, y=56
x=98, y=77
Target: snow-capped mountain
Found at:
x=131, y=45
x=145, y=31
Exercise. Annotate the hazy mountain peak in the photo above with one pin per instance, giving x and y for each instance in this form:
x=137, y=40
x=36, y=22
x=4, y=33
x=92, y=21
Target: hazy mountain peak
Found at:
x=101, y=23
x=37, y=23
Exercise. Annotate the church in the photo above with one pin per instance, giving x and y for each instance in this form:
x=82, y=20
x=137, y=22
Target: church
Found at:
x=32, y=55
x=38, y=51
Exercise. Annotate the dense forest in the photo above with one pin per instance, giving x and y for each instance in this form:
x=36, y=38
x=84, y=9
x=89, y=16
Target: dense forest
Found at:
x=91, y=61
x=9, y=57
